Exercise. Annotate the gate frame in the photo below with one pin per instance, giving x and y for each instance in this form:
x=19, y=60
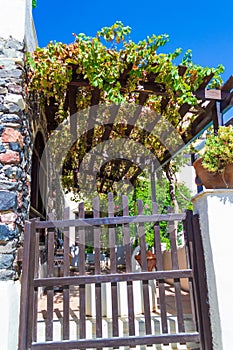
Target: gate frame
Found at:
x=31, y=283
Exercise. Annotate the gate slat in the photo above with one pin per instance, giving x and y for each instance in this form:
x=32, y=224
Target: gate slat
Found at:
x=112, y=245
x=98, y=294
x=30, y=320
x=146, y=299
x=50, y=291
x=82, y=267
x=187, y=228
x=117, y=342
x=126, y=242
x=172, y=228
x=35, y=297
x=119, y=277
x=159, y=267
x=24, y=310
x=201, y=284
x=66, y=291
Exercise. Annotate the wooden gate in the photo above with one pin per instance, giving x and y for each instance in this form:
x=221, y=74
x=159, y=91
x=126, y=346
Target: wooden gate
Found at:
x=115, y=305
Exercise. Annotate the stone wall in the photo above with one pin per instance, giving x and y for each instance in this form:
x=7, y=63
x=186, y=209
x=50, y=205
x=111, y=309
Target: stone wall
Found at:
x=15, y=154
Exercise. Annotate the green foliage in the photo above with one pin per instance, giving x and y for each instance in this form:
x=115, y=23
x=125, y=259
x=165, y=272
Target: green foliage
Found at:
x=34, y=3
x=219, y=149
x=51, y=69
x=163, y=198
x=116, y=33
x=101, y=61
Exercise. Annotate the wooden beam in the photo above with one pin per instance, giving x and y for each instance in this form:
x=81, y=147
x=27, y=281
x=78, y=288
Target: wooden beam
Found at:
x=211, y=94
x=205, y=82
x=201, y=122
x=142, y=100
x=118, y=220
x=73, y=110
x=228, y=102
x=228, y=85
x=181, y=70
x=108, y=127
x=95, y=98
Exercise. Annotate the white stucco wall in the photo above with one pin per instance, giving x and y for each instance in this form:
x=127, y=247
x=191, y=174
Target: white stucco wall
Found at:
x=215, y=208
x=16, y=21
x=187, y=175
x=9, y=316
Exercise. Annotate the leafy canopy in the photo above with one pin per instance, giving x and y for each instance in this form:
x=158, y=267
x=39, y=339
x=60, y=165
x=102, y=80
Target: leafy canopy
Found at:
x=118, y=68
x=105, y=59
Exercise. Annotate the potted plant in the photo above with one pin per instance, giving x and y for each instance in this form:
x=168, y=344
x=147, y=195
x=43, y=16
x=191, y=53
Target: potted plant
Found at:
x=215, y=167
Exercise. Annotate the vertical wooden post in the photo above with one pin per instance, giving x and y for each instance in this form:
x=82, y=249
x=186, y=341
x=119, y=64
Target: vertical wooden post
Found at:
x=159, y=266
x=82, y=269
x=23, y=334
x=112, y=244
x=66, y=291
x=126, y=242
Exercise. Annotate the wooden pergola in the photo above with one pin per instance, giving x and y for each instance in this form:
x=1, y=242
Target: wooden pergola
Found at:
x=212, y=103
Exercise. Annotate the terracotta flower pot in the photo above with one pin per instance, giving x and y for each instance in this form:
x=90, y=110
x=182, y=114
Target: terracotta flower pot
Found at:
x=151, y=260
x=214, y=180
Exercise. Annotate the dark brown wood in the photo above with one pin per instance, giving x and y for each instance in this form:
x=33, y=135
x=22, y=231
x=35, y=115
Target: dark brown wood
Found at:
x=72, y=91
x=66, y=272
x=187, y=225
x=98, y=293
x=126, y=242
x=201, y=284
x=36, y=275
x=119, y=277
x=212, y=94
x=95, y=98
x=228, y=103
x=114, y=276
x=108, y=127
x=24, y=311
x=117, y=220
x=72, y=96
x=112, y=245
x=159, y=267
x=31, y=271
x=143, y=249
x=202, y=121
x=82, y=297
x=50, y=290
x=228, y=85
x=132, y=121
x=216, y=119
x=172, y=228
x=116, y=342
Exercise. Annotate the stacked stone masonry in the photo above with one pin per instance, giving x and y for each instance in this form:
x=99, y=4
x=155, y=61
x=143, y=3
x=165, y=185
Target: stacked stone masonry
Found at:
x=15, y=154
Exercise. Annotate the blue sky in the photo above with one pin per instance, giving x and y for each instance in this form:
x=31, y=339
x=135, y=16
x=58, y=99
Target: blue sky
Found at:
x=205, y=27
